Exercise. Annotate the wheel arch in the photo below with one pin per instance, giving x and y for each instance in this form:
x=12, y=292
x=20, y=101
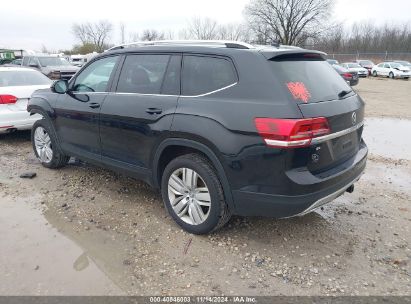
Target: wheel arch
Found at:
x=183, y=146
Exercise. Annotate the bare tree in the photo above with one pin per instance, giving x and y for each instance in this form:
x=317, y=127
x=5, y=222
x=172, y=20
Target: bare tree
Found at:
x=44, y=49
x=201, y=28
x=93, y=33
x=151, y=35
x=366, y=37
x=235, y=32
x=288, y=21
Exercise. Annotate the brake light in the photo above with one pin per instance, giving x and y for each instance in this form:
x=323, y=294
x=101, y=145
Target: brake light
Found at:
x=347, y=75
x=291, y=133
x=7, y=99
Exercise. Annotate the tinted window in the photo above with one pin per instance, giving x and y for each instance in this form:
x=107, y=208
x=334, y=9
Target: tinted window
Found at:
x=143, y=74
x=23, y=78
x=53, y=61
x=308, y=80
x=95, y=77
x=33, y=61
x=203, y=74
x=25, y=60
x=171, y=83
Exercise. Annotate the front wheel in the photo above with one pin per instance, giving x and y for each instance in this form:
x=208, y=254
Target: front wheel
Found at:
x=374, y=74
x=193, y=194
x=45, y=145
x=391, y=75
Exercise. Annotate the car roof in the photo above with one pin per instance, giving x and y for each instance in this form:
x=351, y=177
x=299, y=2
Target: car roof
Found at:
x=221, y=48
x=17, y=68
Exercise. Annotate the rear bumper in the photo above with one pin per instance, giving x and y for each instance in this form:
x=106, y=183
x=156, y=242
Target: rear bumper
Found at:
x=281, y=206
x=20, y=120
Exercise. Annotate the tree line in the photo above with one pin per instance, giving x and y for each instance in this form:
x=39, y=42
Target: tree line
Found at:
x=305, y=23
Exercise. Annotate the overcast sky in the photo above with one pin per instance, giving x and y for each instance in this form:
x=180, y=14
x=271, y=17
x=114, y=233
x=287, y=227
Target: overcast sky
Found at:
x=30, y=25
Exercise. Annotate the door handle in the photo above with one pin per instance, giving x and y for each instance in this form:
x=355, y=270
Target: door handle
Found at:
x=154, y=111
x=94, y=105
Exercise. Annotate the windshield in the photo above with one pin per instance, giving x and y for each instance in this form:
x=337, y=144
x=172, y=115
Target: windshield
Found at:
x=395, y=65
x=308, y=81
x=52, y=61
x=22, y=78
x=354, y=65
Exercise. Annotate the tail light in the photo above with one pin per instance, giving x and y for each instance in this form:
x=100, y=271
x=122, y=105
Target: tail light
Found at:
x=347, y=75
x=291, y=133
x=7, y=99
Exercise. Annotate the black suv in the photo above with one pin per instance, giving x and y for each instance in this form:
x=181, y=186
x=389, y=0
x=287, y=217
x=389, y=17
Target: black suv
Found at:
x=220, y=128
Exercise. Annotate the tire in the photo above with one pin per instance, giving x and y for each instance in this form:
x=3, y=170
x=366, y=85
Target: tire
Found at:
x=375, y=74
x=45, y=145
x=391, y=75
x=216, y=213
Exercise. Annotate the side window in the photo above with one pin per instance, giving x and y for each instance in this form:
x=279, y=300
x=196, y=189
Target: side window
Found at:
x=202, y=74
x=387, y=66
x=143, y=74
x=25, y=61
x=95, y=77
x=33, y=61
x=171, y=83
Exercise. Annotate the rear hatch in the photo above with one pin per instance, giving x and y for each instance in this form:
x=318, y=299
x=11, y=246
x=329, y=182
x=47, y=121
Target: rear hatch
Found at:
x=319, y=91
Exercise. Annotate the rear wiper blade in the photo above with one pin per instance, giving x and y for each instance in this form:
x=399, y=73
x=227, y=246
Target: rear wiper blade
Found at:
x=344, y=93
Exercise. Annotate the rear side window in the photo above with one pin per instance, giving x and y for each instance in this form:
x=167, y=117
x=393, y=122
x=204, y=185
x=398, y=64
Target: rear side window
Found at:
x=143, y=74
x=203, y=74
x=308, y=80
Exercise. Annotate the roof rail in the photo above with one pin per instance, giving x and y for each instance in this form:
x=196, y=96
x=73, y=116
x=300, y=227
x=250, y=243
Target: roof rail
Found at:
x=223, y=43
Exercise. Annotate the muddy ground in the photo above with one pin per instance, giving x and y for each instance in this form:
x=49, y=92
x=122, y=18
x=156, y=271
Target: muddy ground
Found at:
x=82, y=230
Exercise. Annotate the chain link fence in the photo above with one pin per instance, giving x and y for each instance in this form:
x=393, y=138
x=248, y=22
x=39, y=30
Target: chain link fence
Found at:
x=374, y=57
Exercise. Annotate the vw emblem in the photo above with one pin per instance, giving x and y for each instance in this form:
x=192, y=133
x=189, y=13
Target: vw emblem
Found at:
x=354, y=118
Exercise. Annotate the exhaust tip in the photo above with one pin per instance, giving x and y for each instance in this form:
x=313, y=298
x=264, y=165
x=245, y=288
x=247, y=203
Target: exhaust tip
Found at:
x=11, y=130
x=350, y=189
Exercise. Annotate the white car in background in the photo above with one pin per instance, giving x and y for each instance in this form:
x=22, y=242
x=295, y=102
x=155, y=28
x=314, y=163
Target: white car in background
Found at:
x=16, y=86
x=355, y=67
x=392, y=70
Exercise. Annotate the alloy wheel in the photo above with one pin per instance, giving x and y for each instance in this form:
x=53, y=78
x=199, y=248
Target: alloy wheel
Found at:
x=42, y=142
x=189, y=196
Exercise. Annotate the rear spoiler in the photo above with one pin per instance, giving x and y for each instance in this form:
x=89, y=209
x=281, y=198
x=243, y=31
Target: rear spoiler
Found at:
x=291, y=54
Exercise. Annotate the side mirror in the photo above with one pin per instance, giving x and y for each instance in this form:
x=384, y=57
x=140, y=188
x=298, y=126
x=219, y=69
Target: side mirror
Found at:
x=60, y=86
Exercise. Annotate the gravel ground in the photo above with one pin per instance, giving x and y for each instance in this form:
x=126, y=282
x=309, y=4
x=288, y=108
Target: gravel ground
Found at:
x=118, y=227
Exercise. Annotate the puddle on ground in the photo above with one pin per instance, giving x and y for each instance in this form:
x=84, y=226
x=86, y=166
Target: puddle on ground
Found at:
x=388, y=137
x=36, y=259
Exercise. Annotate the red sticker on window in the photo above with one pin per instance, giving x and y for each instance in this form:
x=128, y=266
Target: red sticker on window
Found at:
x=299, y=91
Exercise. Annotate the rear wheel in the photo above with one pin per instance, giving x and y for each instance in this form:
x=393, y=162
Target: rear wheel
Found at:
x=193, y=194
x=374, y=74
x=45, y=145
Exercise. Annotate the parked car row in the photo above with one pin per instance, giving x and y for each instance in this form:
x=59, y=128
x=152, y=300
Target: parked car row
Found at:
x=364, y=68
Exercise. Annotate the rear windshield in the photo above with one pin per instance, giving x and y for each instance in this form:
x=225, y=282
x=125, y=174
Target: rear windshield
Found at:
x=53, y=61
x=308, y=80
x=22, y=78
